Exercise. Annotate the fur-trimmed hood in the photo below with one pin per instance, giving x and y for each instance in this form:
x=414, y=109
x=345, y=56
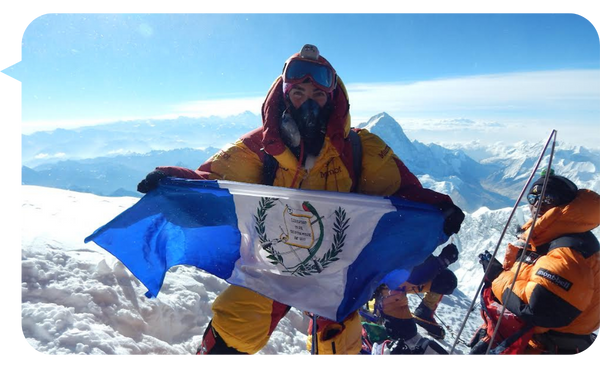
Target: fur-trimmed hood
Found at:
x=580, y=215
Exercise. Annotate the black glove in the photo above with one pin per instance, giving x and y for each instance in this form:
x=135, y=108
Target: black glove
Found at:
x=151, y=181
x=485, y=259
x=453, y=217
x=448, y=255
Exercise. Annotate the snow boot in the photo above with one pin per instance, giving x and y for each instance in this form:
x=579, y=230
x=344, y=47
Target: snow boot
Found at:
x=423, y=316
x=417, y=345
x=427, y=346
x=212, y=343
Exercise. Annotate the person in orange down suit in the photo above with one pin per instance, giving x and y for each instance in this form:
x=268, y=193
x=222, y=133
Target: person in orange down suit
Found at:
x=557, y=289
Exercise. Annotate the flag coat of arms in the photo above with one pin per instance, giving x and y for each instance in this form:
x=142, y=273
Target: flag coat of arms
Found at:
x=318, y=251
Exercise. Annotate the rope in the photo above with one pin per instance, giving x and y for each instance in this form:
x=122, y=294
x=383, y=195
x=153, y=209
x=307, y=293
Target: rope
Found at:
x=522, y=258
x=314, y=349
x=471, y=308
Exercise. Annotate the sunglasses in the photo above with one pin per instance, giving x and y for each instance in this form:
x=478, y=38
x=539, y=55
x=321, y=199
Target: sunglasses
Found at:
x=298, y=70
x=548, y=199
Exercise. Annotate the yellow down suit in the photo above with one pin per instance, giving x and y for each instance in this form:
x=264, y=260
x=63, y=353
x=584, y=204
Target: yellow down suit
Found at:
x=245, y=319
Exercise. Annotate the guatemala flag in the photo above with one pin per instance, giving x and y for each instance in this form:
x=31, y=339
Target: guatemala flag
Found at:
x=317, y=251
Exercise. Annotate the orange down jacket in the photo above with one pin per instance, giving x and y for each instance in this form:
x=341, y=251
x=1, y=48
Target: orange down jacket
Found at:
x=558, y=285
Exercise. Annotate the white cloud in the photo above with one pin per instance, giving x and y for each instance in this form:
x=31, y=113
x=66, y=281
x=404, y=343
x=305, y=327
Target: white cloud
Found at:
x=28, y=127
x=41, y=156
x=516, y=93
x=488, y=107
x=202, y=108
x=222, y=107
x=485, y=97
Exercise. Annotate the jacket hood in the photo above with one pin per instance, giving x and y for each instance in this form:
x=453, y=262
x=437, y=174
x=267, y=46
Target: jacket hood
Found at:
x=580, y=215
x=338, y=124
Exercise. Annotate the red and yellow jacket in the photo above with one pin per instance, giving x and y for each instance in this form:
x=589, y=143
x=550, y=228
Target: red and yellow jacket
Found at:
x=558, y=285
x=245, y=319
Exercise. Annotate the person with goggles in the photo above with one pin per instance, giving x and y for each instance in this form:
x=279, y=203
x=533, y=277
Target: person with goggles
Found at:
x=304, y=142
x=309, y=82
x=318, y=71
x=533, y=198
x=557, y=287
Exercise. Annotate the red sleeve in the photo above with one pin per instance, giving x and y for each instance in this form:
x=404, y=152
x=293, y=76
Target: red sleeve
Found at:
x=411, y=188
x=182, y=172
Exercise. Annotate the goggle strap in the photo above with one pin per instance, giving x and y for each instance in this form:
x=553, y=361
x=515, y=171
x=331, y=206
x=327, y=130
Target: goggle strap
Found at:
x=307, y=70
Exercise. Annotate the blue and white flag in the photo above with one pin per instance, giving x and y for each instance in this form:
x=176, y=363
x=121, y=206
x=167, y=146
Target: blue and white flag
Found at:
x=318, y=251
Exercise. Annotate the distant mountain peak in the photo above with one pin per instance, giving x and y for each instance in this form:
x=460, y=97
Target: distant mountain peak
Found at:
x=384, y=125
x=381, y=118
x=382, y=114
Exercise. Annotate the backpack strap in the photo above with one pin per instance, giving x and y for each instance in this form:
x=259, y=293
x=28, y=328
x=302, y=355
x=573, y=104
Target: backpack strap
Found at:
x=270, y=163
x=356, y=157
x=585, y=243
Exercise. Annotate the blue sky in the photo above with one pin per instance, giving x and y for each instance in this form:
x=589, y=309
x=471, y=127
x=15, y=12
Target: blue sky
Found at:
x=471, y=75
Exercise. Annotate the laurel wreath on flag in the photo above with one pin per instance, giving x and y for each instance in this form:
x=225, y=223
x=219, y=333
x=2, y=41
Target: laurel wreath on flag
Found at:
x=317, y=265
x=261, y=215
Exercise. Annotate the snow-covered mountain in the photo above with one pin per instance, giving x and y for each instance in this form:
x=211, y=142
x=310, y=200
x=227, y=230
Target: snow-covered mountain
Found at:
x=112, y=175
x=473, y=175
x=485, y=176
x=140, y=136
x=446, y=170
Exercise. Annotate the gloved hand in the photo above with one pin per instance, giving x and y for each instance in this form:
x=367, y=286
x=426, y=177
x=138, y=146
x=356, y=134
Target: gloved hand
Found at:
x=151, y=181
x=485, y=259
x=448, y=255
x=513, y=251
x=453, y=217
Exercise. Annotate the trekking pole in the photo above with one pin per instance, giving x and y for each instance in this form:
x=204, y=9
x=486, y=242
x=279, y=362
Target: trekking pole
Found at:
x=314, y=349
x=522, y=257
x=464, y=322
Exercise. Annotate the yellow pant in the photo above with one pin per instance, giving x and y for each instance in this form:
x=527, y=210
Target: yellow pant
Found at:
x=394, y=303
x=245, y=320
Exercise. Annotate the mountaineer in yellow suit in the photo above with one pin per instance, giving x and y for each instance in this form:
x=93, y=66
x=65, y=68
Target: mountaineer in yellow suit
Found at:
x=391, y=309
x=305, y=131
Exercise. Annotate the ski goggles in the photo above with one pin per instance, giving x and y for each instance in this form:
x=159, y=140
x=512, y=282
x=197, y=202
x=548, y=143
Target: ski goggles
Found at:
x=548, y=199
x=298, y=70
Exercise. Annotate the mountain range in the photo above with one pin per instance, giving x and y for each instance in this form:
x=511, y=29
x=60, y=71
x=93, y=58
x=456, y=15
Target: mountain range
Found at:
x=111, y=159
